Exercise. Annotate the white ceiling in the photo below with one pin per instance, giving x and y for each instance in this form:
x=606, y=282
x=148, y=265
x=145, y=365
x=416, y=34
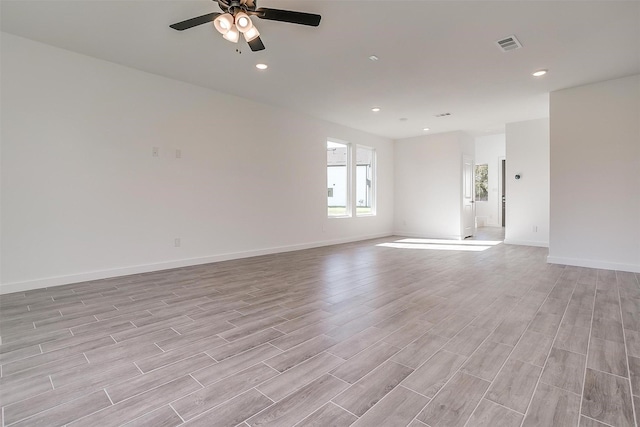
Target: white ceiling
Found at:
x=435, y=57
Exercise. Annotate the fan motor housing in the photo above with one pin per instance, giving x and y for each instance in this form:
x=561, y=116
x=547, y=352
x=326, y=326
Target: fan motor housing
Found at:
x=231, y=6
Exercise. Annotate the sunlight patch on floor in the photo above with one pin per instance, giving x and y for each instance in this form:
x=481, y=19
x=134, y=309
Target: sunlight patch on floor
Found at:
x=442, y=245
x=453, y=242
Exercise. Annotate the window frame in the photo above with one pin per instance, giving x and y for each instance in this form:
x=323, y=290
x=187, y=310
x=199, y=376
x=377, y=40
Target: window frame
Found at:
x=349, y=178
x=374, y=180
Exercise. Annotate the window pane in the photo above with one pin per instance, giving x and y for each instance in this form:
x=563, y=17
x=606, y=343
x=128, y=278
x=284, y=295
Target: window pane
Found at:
x=482, y=183
x=337, y=179
x=365, y=177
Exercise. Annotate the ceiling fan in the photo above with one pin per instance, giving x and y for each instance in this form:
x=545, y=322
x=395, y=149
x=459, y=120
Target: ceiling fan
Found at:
x=235, y=19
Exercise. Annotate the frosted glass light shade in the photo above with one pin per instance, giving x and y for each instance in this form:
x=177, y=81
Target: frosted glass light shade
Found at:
x=243, y=22
x=232, y=35
x=251, y=34
x=223, y=23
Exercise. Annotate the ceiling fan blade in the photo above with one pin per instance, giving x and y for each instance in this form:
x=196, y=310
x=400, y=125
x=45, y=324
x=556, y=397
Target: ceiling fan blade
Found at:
x=291, y=16
x=194, y=22
x=256, y=44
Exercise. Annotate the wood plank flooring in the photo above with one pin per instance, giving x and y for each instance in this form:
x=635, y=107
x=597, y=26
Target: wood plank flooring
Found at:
x=386, y=332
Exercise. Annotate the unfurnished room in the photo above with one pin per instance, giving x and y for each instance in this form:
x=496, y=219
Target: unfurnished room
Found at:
x=243, y=213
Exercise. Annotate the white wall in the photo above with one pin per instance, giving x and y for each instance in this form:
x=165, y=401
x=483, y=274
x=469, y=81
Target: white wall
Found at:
x=595, y=172
x=428, y=184
x=527, y=199
x=83, y=198
x=489, y=150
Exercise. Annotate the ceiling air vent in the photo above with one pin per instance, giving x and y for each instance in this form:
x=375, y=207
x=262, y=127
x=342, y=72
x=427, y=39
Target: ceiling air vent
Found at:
x=509, y=43
x=443, y=115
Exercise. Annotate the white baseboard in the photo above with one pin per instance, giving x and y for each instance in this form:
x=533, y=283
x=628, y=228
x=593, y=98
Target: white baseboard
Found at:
x=590, y=263
x=47, y=282
x=493, y=224
x=483, y=221
x=526, y=243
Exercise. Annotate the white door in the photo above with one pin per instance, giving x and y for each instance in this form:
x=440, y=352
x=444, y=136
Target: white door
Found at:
x=468, y=206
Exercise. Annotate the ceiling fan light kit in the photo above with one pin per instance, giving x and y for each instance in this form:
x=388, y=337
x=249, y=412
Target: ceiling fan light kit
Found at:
x=236, y=19
x=243, y=22
x=233, y=35
x=251, y=34
x=223, y=23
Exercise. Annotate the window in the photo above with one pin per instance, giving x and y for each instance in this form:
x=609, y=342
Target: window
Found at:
x=342, y=192
x=338, y=182
x=482, y=183
x=365, y=181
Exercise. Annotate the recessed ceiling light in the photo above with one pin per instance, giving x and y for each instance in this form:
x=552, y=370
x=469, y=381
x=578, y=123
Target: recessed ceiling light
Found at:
x=373, y=58
x=426, y=129
x=539, y=73
x=375, y=109
x=262, y=66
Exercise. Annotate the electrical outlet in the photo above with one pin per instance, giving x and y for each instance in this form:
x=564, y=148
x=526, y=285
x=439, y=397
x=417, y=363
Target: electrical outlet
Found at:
x=155, y=152
x=535, y=228
x=178, y=153
x=176, y=242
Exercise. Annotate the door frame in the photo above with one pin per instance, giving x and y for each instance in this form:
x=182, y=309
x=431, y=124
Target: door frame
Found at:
x=501, y=179
x=470, y=160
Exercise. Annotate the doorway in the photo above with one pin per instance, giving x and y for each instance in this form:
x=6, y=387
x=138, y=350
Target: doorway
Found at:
x=503, y=198
x=468, y=207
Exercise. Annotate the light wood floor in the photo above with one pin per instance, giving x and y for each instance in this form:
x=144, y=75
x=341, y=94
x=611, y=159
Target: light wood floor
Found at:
x=390, y=332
